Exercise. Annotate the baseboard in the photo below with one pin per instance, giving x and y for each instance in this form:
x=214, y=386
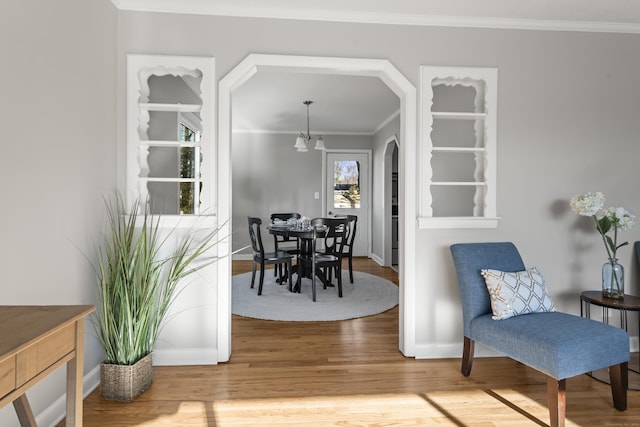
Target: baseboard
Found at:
x=242, y=257
x=185, y=357
x=451, y=351
x=377, y=259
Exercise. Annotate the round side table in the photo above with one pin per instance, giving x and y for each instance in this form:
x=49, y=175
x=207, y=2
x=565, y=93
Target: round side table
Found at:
x=623, y=305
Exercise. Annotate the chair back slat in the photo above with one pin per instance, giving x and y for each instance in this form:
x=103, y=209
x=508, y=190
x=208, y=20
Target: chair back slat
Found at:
x=351, y=232
x=334, y=234
x=283, y=216
x=255, y=236
x=469, y=259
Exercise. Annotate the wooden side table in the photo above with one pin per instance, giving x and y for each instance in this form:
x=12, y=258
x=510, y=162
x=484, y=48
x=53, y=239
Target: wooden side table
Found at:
x=34, y=341
x=623, y=305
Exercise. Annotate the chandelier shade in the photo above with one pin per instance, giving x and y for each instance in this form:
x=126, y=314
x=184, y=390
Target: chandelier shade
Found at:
x=303, y=140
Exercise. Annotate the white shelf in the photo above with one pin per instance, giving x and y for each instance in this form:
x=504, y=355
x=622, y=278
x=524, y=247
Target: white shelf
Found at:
x=467, y=98
x=180, y=108
x=458, y=149
x=457, y=222
x=168, y=144
x=445, y=115
x=459, y=183
x=158, y=179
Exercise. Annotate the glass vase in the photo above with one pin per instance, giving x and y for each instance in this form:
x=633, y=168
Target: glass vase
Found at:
x=612, y=279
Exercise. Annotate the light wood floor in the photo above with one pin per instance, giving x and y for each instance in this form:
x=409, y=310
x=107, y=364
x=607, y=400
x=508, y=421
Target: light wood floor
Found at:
x=349, y=373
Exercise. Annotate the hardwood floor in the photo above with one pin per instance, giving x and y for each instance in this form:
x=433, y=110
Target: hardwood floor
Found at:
x=349, y=373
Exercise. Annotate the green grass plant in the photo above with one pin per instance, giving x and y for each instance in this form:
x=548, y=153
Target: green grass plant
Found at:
x=137, y=284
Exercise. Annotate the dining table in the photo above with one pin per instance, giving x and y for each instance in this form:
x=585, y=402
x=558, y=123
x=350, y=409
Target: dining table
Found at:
x=305, y=235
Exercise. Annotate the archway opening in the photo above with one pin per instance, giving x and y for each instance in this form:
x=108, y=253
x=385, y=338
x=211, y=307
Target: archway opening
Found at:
x=340, y=66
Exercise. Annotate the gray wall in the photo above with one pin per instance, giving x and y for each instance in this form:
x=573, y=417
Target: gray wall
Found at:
x=568, y=104
x=270, y=176
x=567, y=123
x=58, y=86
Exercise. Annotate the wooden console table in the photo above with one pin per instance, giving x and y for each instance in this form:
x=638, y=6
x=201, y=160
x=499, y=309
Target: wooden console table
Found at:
x=34, y=341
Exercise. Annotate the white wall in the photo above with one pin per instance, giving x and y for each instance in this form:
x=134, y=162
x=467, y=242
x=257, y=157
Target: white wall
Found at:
x=58, y=88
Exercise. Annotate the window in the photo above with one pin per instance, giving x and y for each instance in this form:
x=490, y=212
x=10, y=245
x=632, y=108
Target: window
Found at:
x=170, y=154
x=346, y=184
x=458, y=164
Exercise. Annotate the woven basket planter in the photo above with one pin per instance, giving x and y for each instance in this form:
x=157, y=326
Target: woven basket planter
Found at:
x=124, y=383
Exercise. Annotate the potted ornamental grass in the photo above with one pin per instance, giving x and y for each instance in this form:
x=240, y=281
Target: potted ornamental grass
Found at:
x=137, y=284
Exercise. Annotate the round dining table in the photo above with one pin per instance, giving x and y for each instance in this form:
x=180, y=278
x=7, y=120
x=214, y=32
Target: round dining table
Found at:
x=305, y=236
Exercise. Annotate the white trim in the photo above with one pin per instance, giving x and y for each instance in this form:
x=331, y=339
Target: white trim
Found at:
x=185, y=357
x=407, y=160
x=207, y=7
x=457, y=222
x=387, y=121
x=293, y=132
x=453, y=351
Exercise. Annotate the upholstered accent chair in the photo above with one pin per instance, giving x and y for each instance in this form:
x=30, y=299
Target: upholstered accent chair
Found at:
x=560, y=345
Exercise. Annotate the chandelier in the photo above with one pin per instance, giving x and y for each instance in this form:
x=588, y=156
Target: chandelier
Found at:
x=302, y=140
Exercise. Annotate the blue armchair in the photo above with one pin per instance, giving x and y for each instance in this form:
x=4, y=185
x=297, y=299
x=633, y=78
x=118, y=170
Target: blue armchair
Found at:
x=557, y=344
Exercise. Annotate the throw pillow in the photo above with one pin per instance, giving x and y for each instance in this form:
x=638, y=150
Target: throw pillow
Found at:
x=516, y=293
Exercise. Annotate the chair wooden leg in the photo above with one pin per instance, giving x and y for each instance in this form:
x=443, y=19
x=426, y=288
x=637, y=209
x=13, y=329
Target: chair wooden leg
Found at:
x=280, y=282
x=339, y=274
x=261, y=279
x=467, y=356
x=313, y=281
x=557, y=400
x=351, y=268
x=619, y=376
x=289, y=275
x=253, y=275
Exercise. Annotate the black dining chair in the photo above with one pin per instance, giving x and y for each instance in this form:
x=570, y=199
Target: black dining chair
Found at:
x=348, y=244
x=323, y=263
x=277, y=258
x=286, y=243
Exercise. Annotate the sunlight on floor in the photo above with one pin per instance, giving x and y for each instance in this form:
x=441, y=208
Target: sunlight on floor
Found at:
x=499, y=407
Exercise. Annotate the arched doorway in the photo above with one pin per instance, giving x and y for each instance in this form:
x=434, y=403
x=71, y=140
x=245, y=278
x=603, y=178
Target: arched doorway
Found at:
x=391, y=207
x=341, y=66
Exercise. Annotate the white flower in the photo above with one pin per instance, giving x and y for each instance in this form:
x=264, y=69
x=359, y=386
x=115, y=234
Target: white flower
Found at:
x=621, y=218
x=607, y=219
x=588, y=204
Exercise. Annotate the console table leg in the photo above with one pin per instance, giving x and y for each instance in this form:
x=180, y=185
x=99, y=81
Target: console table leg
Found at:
x=23, y=410
x=74, y=380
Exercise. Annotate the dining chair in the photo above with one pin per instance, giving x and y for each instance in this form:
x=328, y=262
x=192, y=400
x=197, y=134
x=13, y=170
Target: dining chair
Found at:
x=277, y=258
x=291, y=244
x=348, y=244
x=323, y=263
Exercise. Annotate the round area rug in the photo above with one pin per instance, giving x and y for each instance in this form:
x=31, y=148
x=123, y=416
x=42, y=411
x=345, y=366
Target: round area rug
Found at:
x=368, y=295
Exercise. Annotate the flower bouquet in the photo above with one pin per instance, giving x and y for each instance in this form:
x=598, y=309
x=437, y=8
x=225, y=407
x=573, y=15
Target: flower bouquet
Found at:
x=607, y=220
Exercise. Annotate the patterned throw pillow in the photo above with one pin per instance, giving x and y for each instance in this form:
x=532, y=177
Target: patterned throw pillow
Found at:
x=516, y=293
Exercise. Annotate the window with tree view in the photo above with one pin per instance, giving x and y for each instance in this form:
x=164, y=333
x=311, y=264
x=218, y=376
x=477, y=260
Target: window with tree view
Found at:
x=190, y=162
x=346, y=184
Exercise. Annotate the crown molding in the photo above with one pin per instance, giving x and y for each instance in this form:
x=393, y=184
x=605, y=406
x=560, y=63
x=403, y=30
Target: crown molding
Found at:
x=208, y=7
